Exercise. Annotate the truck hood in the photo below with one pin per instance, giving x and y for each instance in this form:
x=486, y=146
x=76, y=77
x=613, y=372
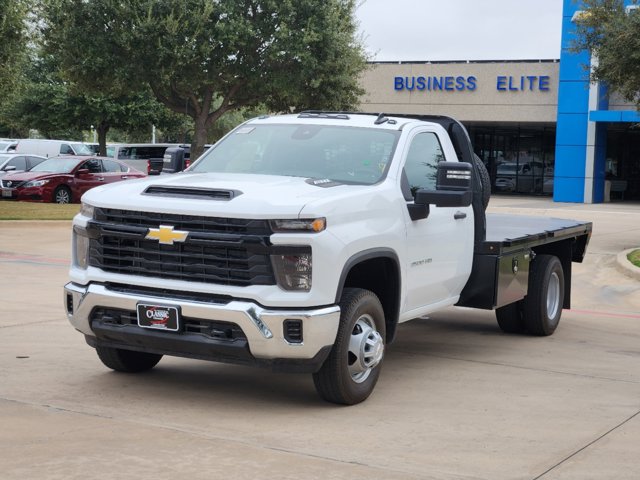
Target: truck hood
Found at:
x=254, y=196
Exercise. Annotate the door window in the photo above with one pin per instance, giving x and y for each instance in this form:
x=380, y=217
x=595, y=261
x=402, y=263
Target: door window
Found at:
x=19, y=162
x=94, y=165
x=66, y=149
x=421, y=166
x=111, y=166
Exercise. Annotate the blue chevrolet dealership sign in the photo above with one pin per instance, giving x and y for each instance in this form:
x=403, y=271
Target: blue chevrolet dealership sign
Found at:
x=503, y=83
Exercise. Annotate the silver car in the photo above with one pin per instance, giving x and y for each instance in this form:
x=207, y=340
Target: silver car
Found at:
x=18, y=162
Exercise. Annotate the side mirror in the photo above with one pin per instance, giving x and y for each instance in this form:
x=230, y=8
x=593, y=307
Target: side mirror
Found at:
x=453, y=186
x=9, y=168
x=82, y=171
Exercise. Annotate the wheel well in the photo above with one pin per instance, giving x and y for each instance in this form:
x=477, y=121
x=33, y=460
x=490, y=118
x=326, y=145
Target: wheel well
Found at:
x=380, y=275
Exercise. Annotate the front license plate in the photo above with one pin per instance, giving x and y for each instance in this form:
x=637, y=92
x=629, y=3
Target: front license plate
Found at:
x=159, y=317
x=7, y=192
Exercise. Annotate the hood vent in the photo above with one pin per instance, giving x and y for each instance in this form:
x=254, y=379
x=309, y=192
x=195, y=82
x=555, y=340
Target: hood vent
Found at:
x=191, y=192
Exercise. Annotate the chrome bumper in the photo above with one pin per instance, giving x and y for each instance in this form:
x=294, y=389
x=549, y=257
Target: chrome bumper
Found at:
x=263, y=327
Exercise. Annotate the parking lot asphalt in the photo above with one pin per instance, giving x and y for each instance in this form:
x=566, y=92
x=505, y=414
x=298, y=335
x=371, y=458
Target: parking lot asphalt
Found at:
x=457, y=399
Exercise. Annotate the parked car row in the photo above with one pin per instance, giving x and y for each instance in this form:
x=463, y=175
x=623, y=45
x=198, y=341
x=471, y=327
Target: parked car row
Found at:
x=64, y=179
x=61, y=171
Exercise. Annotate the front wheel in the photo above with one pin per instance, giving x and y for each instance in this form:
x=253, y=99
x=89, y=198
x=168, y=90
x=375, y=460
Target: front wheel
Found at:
x=62, y=195
x=127, y=361
x=351, y=371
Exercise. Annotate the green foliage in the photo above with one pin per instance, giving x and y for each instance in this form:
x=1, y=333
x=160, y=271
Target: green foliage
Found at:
x=613, y=36
x=13, y=39
x=203, y=58
x=60, y=109
x=634, y=257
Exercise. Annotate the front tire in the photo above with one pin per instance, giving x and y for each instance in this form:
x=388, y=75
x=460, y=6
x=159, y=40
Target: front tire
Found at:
x=127, y=361
x=542, y=306
x=62, y=195
x=351, y=371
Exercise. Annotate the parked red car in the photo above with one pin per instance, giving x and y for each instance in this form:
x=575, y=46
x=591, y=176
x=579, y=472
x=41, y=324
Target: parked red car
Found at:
x=65, y=179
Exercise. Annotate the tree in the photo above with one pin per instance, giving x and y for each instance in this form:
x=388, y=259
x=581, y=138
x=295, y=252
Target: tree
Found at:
x=204, y=58
x=613, y=36
x=13, y=38
x=58, y=108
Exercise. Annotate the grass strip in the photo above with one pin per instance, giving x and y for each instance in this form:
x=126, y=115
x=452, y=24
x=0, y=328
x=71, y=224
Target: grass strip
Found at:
x=12, y=210
x=634, y=257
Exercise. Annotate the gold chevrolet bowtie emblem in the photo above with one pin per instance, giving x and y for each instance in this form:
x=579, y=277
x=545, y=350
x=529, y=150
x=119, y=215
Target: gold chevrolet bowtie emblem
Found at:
x=166, y=235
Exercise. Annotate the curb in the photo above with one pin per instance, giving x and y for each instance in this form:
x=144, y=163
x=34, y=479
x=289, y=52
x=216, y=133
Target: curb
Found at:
x=625, y=266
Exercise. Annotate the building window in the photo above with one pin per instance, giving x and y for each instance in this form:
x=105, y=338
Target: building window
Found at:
x=520, y=158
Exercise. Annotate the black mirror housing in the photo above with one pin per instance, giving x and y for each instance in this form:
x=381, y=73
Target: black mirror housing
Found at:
x=453, y=186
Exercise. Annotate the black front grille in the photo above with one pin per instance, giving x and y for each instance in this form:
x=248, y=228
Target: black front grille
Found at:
x=223, y=251
x=209, y=328
x=11, y=183
x=190, y=223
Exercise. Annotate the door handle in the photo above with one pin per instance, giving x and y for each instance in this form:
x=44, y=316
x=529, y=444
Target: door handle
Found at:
x=459, y=215
x=124, y=177
x=101, y=179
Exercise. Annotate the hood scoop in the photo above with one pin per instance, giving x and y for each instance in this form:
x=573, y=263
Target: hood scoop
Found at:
x=191, y=192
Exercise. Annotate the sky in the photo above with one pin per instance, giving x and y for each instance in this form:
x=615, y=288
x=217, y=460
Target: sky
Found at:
x=432, y=30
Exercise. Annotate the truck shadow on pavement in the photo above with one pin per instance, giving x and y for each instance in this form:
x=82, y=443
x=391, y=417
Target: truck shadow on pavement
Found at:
x=201, y=384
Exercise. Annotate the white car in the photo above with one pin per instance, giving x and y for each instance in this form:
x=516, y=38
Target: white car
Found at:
x=15, y=162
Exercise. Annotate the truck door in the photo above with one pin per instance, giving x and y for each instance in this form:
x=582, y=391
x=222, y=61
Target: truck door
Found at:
x=439, y=247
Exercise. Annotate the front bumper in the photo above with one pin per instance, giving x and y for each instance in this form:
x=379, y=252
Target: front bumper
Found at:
x=263, y=341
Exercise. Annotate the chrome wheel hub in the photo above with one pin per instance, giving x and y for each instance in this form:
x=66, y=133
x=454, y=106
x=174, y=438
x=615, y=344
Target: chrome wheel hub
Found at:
x=62, y=196
x=366, y=349
x=553, y=296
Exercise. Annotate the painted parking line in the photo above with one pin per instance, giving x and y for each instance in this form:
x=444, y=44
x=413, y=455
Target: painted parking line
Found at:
x=9, y=257
x=605, y=314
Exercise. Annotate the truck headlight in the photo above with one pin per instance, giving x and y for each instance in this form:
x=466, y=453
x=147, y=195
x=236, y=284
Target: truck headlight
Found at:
x=293, y=272
x=87, y=210
x=81, y=248
x=309, y=225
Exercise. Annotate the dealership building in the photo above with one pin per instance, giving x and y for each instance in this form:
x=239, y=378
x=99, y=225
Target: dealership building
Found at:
x=540, y=126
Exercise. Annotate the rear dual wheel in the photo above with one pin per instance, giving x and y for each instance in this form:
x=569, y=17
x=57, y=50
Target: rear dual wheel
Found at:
x=540, y=311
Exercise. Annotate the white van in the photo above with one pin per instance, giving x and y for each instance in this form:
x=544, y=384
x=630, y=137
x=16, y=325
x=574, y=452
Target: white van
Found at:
x=146, y=157
x=51, y=148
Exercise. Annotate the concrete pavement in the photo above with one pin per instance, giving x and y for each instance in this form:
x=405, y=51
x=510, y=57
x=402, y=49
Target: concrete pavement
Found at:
x=457, y=398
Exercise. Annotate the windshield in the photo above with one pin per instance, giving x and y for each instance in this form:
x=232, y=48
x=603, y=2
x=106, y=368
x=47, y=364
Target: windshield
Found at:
x=57, y=165
x=81, y=149
x=345, y=155
x=3, y=146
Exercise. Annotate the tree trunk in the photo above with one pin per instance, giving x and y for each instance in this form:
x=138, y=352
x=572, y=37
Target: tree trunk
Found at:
x=102, y=128
x=199, y=137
